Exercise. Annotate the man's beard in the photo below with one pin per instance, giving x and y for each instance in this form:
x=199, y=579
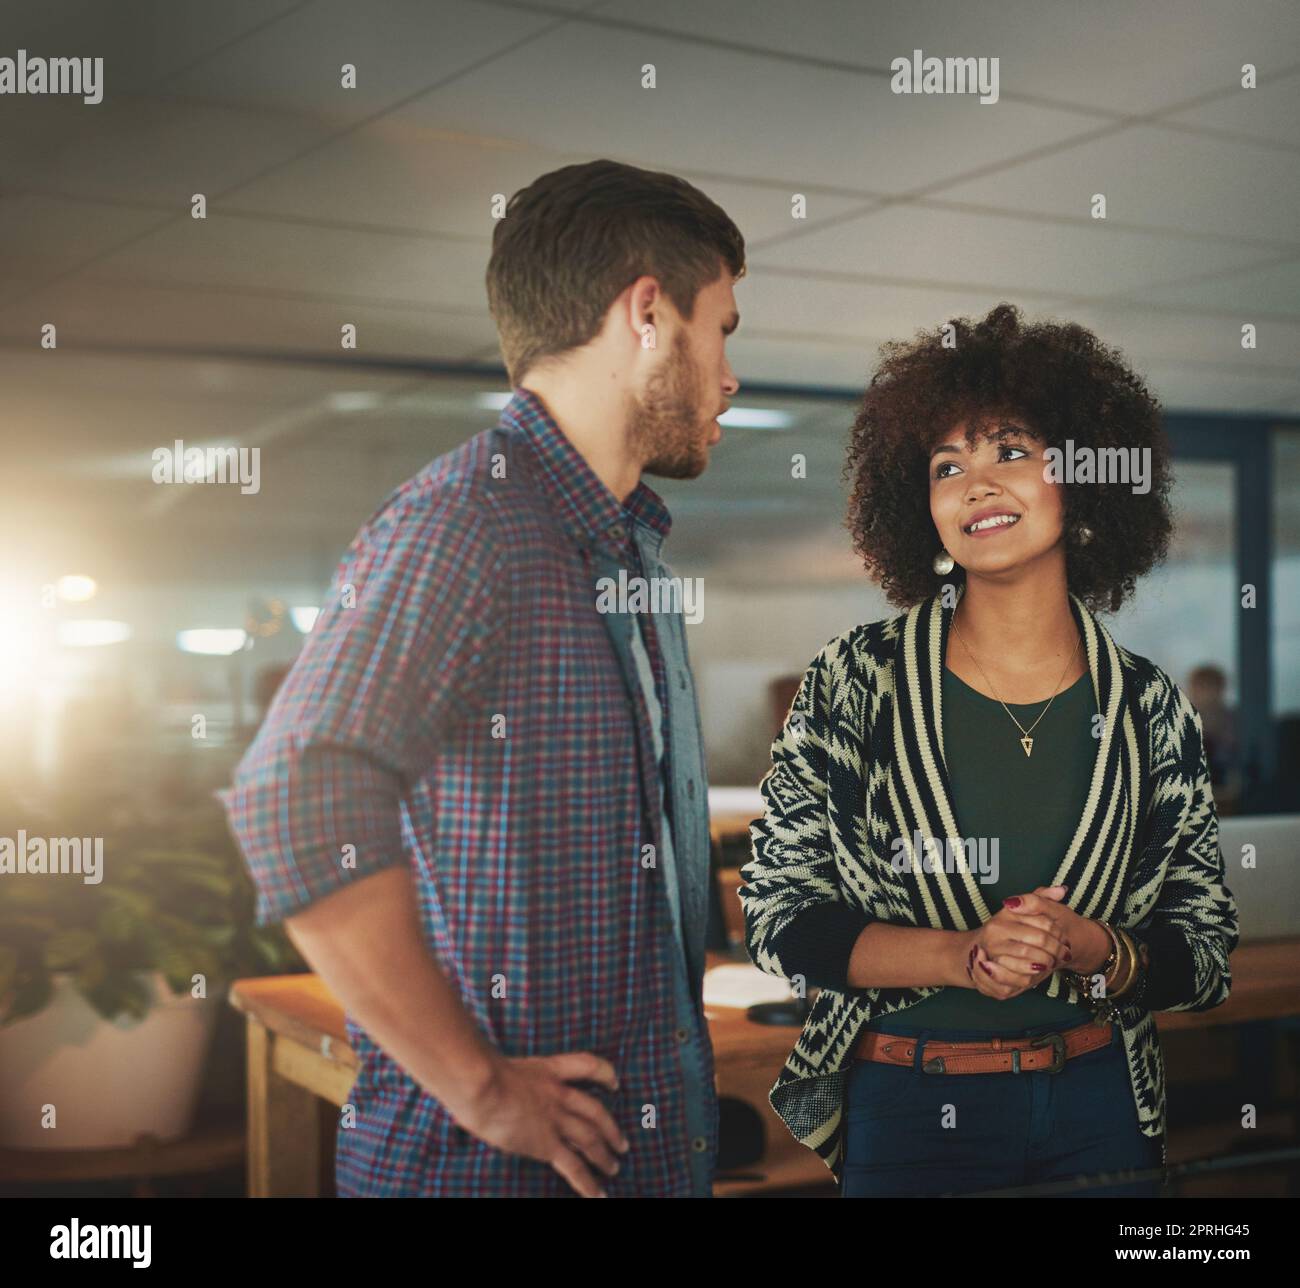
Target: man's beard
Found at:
x=664, y=428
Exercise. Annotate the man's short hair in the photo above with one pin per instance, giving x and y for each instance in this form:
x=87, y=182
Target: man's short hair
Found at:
x=574, y=239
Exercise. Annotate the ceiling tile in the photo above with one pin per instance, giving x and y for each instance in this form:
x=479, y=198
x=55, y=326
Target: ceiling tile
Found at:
x=142, y=42
x=1003, y=253
x=224, y=252
x=41, y=236
x=109, y=313
x=1157, y=177
x=765, y=118
x=146, y=150
x=1131, y=58
x=398, y=47
x=1274, y=288
x=1270, y=111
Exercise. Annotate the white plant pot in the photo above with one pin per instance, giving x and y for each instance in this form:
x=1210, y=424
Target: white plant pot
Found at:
x=110, y=1082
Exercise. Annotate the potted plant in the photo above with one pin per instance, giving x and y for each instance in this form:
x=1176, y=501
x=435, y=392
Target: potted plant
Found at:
x=109, y=992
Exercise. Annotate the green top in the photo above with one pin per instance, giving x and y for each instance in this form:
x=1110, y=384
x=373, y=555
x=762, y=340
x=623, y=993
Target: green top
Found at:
x=1029, y=806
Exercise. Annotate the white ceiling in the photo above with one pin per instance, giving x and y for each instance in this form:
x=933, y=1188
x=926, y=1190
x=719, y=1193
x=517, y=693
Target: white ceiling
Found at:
x=372, y=206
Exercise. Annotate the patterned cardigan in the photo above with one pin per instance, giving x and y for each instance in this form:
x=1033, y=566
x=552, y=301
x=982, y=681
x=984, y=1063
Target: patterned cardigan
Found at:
x=859, y=762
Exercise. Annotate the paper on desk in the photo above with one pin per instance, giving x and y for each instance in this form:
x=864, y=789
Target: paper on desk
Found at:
x=740, y=984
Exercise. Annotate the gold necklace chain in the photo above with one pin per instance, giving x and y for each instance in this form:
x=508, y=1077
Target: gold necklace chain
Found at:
x=1025, y=741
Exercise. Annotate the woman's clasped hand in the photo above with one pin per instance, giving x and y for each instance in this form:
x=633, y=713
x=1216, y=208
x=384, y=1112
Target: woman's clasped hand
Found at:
x=1027, y=939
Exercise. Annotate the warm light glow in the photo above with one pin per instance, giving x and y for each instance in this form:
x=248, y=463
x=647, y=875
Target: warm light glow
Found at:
x=75, y=588
x=304, y=617
x=89, y=632
x=217, y=642
x=353, y=402
x=21, y=637
x=17, y=650
x=755, y=418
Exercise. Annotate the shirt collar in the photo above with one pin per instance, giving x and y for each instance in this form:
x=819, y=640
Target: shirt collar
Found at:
x=587, y=507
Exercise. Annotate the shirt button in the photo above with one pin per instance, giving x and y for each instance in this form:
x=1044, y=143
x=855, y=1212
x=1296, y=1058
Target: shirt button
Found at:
x=618, y=532
x=699, y=1144
x=681, y=1035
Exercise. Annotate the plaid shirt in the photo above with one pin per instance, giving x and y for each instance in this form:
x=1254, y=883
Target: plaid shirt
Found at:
x=462, y=707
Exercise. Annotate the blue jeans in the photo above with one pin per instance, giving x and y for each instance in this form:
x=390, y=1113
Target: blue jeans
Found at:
x=909, y=1133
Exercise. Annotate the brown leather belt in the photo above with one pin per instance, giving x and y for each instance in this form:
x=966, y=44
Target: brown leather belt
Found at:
x=1047, y=1053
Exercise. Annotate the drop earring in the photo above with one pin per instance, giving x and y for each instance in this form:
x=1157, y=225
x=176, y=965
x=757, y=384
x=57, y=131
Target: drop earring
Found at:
x=1083, y=535
x=943, y=563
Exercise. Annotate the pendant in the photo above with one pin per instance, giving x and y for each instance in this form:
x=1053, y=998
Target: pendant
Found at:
x=1028, y=745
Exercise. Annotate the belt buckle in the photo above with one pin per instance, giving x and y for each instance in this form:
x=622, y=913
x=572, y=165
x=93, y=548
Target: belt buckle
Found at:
x=1057, y=1042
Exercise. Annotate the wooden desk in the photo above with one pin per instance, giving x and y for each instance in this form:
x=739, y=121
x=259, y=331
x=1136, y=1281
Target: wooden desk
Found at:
x=207, y=1149
x=731, y=827
x=298, y=1055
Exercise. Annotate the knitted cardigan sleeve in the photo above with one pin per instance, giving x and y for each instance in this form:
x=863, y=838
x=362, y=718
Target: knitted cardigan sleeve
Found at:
x=1193, y=927
x=797, y=925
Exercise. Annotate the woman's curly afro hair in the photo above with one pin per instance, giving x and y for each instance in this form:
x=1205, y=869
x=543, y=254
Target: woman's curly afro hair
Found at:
x=1055, y=379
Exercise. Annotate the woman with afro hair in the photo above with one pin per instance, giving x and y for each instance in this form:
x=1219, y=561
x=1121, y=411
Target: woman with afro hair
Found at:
x=988, y=838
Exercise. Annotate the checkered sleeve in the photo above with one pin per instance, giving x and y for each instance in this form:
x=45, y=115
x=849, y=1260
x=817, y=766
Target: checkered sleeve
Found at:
x=402, y=651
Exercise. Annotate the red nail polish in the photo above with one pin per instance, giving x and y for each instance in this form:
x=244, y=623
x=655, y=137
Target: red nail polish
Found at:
x=1034, y=966
x=1013, y=902
x=987, y=969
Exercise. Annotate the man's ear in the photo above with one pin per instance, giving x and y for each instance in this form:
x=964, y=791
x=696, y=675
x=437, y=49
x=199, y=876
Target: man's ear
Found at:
x=646, y=306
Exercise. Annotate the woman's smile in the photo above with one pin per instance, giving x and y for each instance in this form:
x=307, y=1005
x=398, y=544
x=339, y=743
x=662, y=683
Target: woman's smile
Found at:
x=987, y=525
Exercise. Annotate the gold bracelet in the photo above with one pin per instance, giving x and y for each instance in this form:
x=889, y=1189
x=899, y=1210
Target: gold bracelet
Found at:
x=1107, y=968
x=1115, y=982
x=1129, y=974
x=1119, y=966
x=1137, y=962
x=1101, y=1008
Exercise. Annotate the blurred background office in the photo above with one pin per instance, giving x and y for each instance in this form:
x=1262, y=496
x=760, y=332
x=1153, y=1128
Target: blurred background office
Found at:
x=145, y=625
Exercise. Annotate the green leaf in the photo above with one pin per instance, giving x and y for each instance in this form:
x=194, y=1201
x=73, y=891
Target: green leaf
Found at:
x=66, y=949
x=92, y=973
x=118, y=924
x=32, y=994
x=213, y=882
x=120, y=994
x=8, y=969
x=180, y=901
x=183, y=961
x=22, y=892
x=15, y=926
x=134, y=901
